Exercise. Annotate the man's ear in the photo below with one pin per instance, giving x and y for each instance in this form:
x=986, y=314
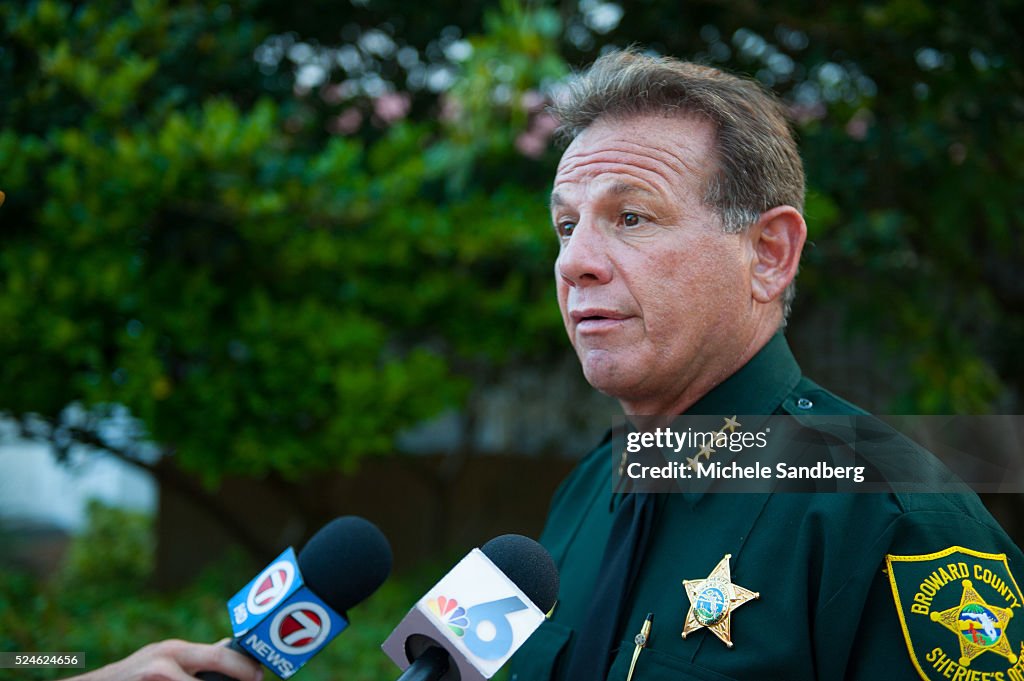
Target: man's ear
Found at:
x=777, y=239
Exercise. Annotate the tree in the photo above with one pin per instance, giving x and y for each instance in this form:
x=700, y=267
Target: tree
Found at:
x=196, y=271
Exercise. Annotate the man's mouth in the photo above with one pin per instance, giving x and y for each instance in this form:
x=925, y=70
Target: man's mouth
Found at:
x=593, y=313
x=595, y=319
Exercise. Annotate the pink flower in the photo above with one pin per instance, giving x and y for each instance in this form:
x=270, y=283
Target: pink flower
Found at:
x=451, y=109
x=530, y=144
x=532, y=101
x=332, y=94
x=347, y=122
x=392, y=106
x=544, y=124
x=805, y=113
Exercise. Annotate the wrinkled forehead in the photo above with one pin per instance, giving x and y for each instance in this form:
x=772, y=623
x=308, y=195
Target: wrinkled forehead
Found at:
x=666, y=153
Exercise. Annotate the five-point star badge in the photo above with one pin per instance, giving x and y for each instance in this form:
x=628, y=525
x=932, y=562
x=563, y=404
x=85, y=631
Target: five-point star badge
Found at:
x=713, y=600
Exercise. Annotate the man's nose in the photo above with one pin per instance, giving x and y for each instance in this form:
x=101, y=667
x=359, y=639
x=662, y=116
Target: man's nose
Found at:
x=583, y=260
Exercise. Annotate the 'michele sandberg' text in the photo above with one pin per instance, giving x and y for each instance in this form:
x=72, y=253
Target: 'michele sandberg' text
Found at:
x=733, y=471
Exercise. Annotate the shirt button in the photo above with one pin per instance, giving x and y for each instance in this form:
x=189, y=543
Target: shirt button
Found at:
x=804, y=403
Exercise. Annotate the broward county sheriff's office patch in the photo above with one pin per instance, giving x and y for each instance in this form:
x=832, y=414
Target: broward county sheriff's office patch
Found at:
x=961, y=614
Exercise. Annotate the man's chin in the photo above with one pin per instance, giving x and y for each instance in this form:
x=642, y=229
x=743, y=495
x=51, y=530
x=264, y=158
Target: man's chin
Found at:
x=607, y=377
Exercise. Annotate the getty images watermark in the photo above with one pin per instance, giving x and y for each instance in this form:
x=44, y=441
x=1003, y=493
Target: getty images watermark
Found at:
x=843, y=453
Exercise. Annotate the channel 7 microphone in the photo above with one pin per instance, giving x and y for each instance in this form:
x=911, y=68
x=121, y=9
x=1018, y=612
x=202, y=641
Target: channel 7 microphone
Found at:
x=469, y=624
x=297, y=605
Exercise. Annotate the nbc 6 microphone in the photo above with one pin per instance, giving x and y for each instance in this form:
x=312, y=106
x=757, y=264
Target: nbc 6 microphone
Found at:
x=472, y=621
x=297, y=605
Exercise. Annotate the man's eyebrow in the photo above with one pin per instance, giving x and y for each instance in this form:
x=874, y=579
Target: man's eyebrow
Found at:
x=624, y=188
x=614, y=189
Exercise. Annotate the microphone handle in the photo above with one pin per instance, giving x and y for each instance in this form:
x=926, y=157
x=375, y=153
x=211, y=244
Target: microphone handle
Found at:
x=214, y=676
x=430, y=666
x=217, y=676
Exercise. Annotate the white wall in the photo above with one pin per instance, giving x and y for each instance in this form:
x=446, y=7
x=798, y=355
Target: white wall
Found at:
x=34, y=487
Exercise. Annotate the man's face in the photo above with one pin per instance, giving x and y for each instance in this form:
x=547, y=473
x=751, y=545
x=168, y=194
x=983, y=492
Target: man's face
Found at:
x=655, y=297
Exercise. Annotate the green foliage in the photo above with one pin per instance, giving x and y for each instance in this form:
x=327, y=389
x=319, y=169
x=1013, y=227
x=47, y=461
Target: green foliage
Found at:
x=115, y=552
x=925, y=178
x=176, y=244
x=507, y=65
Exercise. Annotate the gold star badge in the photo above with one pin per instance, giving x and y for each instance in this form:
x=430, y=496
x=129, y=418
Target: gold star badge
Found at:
x=978, y=626
x=713, y=600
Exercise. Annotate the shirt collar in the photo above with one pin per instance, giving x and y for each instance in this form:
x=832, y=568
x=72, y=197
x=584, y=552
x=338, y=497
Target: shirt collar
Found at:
x=758, y=387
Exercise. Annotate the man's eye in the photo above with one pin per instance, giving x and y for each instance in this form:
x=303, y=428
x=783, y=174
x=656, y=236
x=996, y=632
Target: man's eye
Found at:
x=630, y=219
x=565, y=227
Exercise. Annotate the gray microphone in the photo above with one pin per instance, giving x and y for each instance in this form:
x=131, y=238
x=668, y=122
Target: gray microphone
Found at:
x=468, y=625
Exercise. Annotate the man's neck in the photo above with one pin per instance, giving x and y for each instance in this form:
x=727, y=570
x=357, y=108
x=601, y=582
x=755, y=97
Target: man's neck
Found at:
x=700, y=386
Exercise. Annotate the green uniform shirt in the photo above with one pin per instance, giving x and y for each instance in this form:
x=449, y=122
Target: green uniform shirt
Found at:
x=883, y=587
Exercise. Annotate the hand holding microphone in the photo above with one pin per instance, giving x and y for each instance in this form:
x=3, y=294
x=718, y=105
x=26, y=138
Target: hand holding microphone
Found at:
x=174, y=660
x=283, y=617
x=472, y=621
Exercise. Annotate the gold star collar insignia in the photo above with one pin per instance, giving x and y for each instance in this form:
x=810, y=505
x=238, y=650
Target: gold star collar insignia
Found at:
x=731, y=424
x=978, y=626
x=713, y=600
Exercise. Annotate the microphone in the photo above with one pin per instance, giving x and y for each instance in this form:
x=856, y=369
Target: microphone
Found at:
x=469, y=624
x=297, y=605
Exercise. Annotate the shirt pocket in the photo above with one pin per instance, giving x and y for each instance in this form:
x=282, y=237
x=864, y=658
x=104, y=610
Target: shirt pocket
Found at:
x=654, y=665
x=538, y=658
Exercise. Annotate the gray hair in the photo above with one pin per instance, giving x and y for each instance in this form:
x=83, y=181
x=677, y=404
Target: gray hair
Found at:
x=759, y=165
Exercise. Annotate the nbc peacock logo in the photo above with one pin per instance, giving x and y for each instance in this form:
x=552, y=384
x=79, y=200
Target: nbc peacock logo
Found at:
x=450, y=613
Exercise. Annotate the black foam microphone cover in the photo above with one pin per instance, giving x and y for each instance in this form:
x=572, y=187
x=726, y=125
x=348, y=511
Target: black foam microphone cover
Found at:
x=345, y=561
x=528, y=565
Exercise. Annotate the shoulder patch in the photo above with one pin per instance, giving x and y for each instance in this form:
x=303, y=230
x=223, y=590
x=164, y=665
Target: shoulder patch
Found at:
x=961, y=614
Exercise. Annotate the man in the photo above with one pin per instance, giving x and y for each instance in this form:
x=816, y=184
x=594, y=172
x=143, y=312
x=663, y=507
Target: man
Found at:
x=677, y=205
